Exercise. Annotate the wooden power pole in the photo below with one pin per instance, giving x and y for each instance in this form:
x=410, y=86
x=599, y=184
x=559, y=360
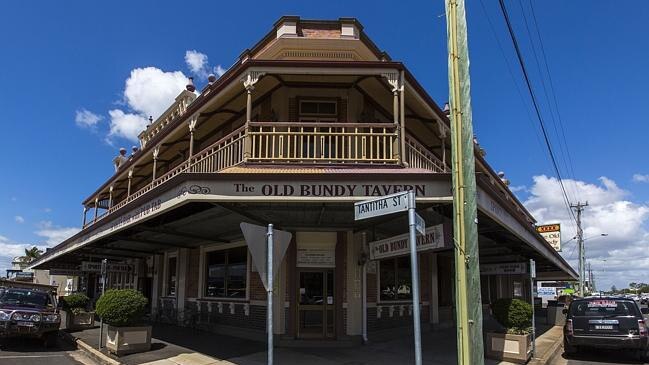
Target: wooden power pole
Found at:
x=468, y=303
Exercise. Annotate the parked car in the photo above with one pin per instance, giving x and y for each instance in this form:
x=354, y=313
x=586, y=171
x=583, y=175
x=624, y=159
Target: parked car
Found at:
x=609, y=322
x=29, y=312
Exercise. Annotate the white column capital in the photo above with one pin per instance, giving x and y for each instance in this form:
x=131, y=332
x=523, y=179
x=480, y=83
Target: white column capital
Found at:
x=156, y=152
x=191, y=122
x=130, y=173
x=393, y=79
x=251, y=78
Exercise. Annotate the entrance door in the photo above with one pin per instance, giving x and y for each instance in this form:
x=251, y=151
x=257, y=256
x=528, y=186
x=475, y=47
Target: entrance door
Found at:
x=316, y=305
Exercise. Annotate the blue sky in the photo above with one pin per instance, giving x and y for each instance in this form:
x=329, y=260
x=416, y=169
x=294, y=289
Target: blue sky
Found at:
x=60, y=60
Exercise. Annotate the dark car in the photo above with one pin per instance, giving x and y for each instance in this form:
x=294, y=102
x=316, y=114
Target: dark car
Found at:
x=611, y=323
x=29, y=312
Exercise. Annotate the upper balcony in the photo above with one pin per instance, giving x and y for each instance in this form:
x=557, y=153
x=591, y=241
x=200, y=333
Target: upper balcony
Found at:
x=313, y=144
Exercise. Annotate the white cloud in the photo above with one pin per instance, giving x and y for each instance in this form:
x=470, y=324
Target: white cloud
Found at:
x=641, y=178
x=148, y=92
x=19, y=219
x=54, y=234
x=87, y=119
x=197, y=63
x=151, y=91
x=126, y=125
x=219, y=71
x=619, y=258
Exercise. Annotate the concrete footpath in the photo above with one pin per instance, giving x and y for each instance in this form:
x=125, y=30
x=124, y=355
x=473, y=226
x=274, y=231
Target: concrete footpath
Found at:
x=173, y=345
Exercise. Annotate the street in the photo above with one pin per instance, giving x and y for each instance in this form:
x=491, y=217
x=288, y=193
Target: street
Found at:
x=32, y=352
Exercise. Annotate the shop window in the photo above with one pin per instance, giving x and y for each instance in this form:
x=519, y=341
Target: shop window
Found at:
x=226, y=272
x=394, y=279
x=171, y=276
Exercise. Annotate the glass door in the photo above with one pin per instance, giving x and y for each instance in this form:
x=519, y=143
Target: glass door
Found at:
x=316, y=304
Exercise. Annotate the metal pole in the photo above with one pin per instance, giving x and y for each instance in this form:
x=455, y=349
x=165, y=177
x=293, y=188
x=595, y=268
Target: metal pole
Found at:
x=364, y=291
x=414, y=272
x=532, y=275
x=104, y=264
x=269, y=309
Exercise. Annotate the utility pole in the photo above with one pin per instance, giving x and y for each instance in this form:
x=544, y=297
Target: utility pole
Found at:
x=468, y=306
x=579, y=207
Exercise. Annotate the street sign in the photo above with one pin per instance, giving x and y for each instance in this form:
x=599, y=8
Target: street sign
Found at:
x=532, y=268
x=256, y=240
x=420, y=224
x=384, y=205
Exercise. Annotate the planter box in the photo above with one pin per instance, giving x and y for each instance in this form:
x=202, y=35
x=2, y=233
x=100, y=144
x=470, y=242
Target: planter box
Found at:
x=512, y=348
x=81, y=321
x=127, y=340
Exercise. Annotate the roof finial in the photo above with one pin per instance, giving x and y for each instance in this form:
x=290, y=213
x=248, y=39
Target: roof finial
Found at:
x=190, y=85
x=211, y=78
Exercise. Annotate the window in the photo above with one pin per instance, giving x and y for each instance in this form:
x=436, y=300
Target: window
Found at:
x=171, y=276
x=394, y=279
x=327, y=109
x=226, y=272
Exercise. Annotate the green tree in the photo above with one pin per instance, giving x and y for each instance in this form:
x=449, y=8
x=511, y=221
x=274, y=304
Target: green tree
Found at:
x=614, y=289
x=31, y=254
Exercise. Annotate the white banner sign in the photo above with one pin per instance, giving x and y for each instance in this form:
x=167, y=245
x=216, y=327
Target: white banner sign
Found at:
x=552, y=234
x=398, y=245
x=512, y=268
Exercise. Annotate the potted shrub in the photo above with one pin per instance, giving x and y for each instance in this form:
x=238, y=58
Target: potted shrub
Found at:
x=77, y=317
x=514, y=344
x=122, y=310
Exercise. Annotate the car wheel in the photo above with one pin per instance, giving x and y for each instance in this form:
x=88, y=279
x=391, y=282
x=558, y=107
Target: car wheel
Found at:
x=569, y=349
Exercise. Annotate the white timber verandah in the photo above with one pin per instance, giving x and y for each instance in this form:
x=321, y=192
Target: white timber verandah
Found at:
x=377, y=141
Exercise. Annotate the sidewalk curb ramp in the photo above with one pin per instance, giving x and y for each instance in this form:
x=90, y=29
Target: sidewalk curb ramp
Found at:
x=91, y=352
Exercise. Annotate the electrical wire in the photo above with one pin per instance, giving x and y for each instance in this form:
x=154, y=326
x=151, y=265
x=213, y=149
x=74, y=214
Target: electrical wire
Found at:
x=536, y=106
x=554, y=96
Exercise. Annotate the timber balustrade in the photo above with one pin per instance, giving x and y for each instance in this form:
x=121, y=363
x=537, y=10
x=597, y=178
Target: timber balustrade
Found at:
x=299, y=143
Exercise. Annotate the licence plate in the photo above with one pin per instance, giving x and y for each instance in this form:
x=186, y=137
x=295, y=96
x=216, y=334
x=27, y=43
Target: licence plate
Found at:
x=25, y=324
x=603, y=326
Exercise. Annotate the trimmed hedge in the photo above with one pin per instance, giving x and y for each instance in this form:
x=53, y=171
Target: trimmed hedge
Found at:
x=513, y=314
x=75, y=303
x=121, y=307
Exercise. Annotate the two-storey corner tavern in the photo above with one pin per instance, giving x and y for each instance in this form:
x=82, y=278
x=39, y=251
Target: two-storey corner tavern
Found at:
x=308, y=121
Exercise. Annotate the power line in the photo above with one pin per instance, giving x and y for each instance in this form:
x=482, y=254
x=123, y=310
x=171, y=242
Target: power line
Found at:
x=511, y=73
x=536, y=106
x=562, y=148
x=554, y=96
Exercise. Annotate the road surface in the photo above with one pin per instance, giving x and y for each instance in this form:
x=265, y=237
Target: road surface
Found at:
x=32, y=352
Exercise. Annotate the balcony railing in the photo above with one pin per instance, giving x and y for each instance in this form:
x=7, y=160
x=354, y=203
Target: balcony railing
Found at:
x=419, y=157
x=324, y=143
x=299, y=143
